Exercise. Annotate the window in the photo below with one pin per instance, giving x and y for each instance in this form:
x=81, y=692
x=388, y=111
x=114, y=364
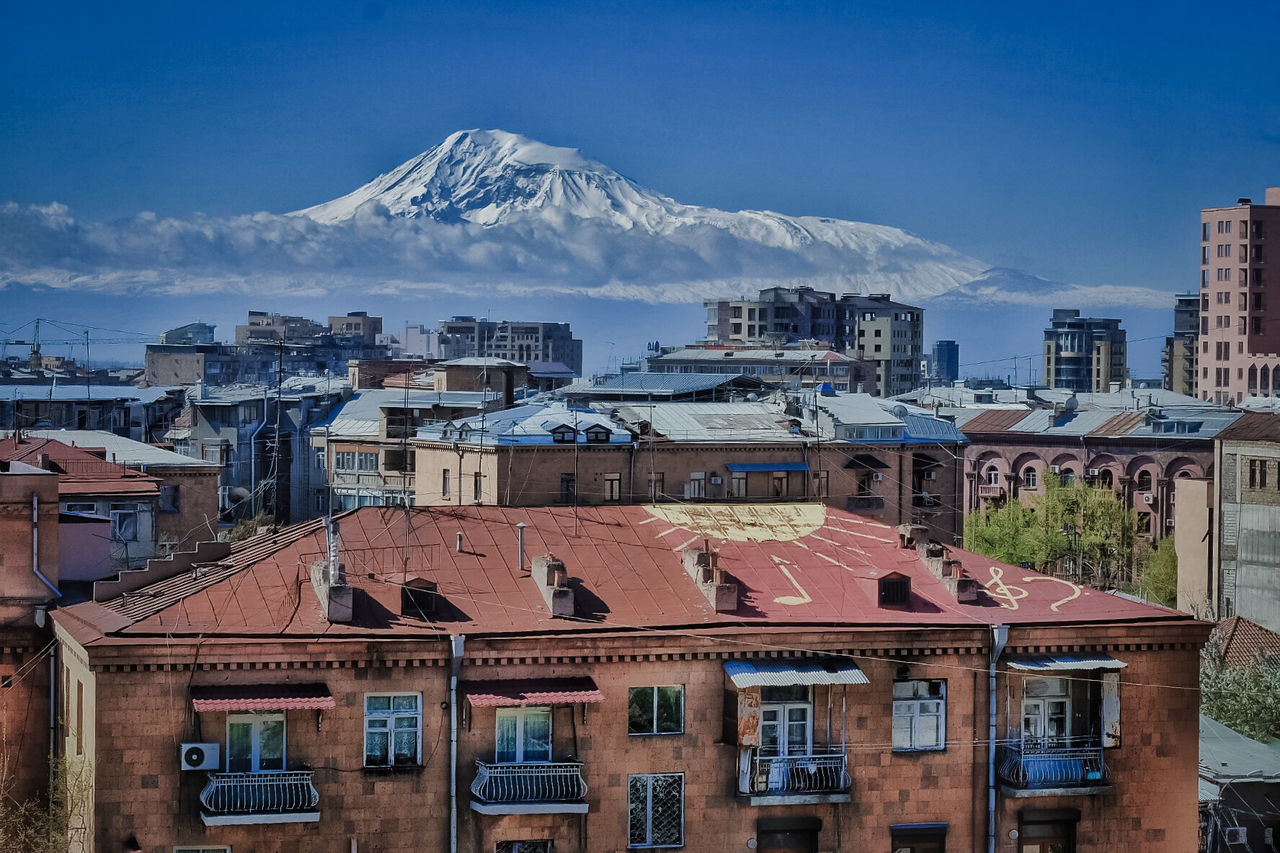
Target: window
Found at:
x=655, y=810
x=564, y=434
x=81, y=508
x=780, y=479
x=1144, y=481
x=613, y=487
x=392, y=730
x=255, y=742
x=344, y=460
x=568, y=488
x=697, y=487
x=918, y=839
x=655, y=710
x=477, y=487
x=655, y=486
x=992, y=476
x=523, y=847
x=820, y=481
x=124, y=524
x=1257, y=473
x=444, y=483
x=786, y=720
x=919, y=715
x=169, y=498
x=1029, y=477
x=524, y=735
x=738, y=484
x=366, y=461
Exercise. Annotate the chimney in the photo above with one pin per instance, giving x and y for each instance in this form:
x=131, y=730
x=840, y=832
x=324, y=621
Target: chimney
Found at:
x=703, y=565
x=963, y=589
x=909, y=535
x=552, y=579
x=329, y=580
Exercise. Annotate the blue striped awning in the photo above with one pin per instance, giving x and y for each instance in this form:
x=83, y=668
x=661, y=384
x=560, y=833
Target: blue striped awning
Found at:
x=1054, y=663
x=783, y=672
x=768, y=466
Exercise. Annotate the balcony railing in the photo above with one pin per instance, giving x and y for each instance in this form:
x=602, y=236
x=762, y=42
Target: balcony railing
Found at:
x=282, y=793
x=1071, y=765
x=864, y=503
x=561, y=782
x=986, y=491
x=823, y=773
x=925, y=499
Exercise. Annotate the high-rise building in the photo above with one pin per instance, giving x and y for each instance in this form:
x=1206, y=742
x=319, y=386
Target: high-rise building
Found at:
x=870, y=328
x=944, y=362
x=1179, y=360
x=1239, y=315
x=1086, y=354
x=524, y=341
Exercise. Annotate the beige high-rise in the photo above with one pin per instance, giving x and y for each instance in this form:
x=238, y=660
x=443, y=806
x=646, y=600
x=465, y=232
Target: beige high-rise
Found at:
x=1239, y=313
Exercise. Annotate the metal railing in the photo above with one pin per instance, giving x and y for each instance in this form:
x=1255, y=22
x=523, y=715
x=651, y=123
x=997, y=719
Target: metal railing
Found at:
x=259, y=793
x=989, y=491
x=1023, y=765
x=856, y=503
x=529, y=783
x=823, y=773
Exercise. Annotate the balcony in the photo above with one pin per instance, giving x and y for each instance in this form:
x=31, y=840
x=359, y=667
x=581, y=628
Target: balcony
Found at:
x=864, y=503
x=795, y=779
x=247, y=798
x=925, y=500
x=988, y=492
x=1029, y=771
x=556, y=788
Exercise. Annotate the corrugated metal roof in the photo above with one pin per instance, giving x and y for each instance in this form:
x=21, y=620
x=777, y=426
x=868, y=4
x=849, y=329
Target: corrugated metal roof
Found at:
x=786, y=672
x=123, y=451
x=992, y=420
x=1228, y=756
x=748, y=422
x=514, y=692
x=1253, y=426
x=1048, y=663
x=261, y=697
x=767, y=466
x=927, y=428
x=857, y=410
x=659, y=383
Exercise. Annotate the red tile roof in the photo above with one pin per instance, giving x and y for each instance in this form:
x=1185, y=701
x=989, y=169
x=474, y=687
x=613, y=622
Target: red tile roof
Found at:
x=795, y=564
x=1242, y=642
x=261, y=697
x=530, y=691
x=79, y=471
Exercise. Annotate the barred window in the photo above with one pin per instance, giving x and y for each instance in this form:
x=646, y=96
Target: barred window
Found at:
x=655, y=805
x=523, y=847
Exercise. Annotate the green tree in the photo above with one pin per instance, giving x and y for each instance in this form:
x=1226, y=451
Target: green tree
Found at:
x=1243, y=698
x=1158, y=579
x=1080, y=531
x=56, y=822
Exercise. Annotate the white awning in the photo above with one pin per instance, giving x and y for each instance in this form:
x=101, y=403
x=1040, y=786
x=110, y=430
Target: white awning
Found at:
x=1051, y=663
x=783, y=672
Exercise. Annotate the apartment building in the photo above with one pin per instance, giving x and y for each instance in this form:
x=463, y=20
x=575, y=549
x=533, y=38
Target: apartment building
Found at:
x=872, y=328
x=1087, y=354
x=1239, y=314
x=770, y=677
x=521, y=341
x=1179, y=361
x=792, y=368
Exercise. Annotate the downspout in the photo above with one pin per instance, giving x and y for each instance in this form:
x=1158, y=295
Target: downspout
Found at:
x=35, y=548
x=455, y=666
x=999, y=637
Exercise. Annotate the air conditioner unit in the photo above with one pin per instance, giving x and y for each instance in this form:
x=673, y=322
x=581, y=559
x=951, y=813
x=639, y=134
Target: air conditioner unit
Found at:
x=877, y=477
x=1235, y=835
x=1168, y=522
x=930, y=475
x=1149, y=498
x=1094, y=472
x=199, y=756
x=1054, y=469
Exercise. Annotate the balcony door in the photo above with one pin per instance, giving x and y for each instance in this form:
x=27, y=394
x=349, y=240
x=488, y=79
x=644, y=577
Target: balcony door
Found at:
x=786, y=728
x=523, y=736
x=255, y=743
x=1046, y=714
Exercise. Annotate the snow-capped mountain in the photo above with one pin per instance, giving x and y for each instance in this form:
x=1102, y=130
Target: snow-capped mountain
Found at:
x=494, y=179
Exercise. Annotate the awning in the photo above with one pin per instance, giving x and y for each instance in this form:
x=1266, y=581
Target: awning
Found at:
x=530, y=691
x=1052, y=663
x=867, y=461
x=768, y=466
x=781, y=672
x=261, y=697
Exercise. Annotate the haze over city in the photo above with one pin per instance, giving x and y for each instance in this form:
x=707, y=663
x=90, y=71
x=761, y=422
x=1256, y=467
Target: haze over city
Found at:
x=1035, y=140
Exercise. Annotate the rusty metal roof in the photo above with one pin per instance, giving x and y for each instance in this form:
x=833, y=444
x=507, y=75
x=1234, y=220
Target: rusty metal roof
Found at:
x=1253, y=426
x=261, y=697
x=795, y=564
x=994, y=420
x=498, y=693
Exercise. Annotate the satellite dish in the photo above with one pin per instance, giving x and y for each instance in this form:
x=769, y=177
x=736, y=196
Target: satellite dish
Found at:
x=899, y=411
x=238, y=495
x=753, y=397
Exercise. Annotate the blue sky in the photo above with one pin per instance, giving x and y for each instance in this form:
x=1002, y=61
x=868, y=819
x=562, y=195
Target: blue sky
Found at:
x=1076, y=141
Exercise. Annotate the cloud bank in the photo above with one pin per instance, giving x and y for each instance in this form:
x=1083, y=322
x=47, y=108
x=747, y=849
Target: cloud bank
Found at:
x=376, y=253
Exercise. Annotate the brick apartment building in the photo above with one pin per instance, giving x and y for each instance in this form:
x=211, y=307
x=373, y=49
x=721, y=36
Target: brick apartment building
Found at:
x=771, y=677
x=1240, y=307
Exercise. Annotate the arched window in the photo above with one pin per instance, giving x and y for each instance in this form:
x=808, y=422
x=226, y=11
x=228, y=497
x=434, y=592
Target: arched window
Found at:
x=1029, y=477
x=1105, y=480
x=1264, y=381
x=993, y=476
x=1253, y=380
x=1184, y=475
x=1067, y=476
x=1144, y=481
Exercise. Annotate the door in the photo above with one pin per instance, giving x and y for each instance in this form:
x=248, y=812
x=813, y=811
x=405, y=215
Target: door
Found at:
x=1046, y=723
x=789, y=841
x=786, y=731
x=523, y=736
x=255, y=743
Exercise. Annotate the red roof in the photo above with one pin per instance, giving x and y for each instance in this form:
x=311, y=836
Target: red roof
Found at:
x=530, y=691
x=1242, y=642
x=80, y=472
x=261, y=697
x=795, y=565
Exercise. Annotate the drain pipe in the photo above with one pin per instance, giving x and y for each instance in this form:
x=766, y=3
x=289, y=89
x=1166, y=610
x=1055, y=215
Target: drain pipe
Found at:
x=35, y=553
x=253, y=458
x=999, y=637
x=455, y=665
